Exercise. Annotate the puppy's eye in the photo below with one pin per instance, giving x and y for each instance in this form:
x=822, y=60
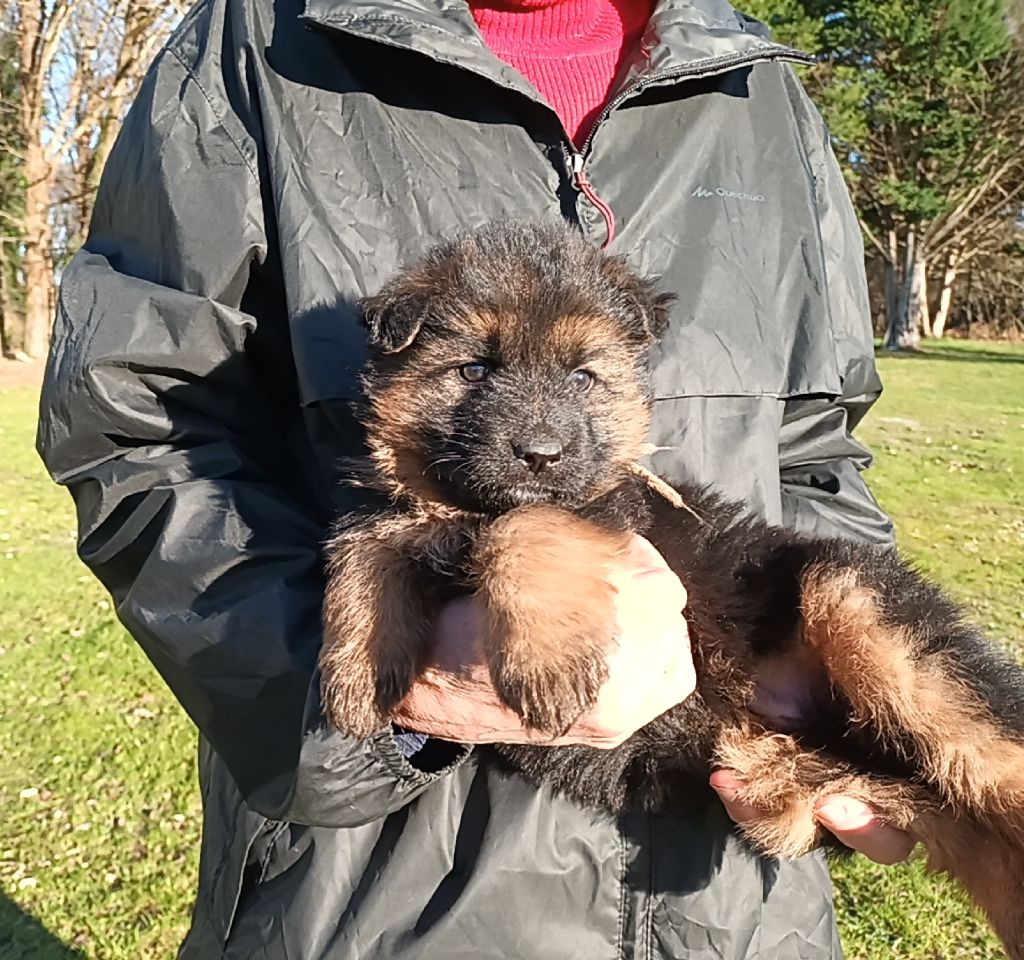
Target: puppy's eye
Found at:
x=474, y=372
x=582, y=380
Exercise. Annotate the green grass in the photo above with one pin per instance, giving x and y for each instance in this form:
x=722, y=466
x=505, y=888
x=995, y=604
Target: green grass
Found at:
x=99, y=815
x=948, y=438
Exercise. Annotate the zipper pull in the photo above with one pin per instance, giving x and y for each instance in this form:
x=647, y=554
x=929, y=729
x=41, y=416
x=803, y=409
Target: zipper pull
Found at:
x=576, y=166
x=583, y=185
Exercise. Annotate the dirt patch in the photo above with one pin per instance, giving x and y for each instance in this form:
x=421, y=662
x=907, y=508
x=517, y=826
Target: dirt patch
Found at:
x=18, y=373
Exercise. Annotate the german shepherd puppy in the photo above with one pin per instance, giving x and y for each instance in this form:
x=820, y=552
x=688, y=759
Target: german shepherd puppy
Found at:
x=506, y=407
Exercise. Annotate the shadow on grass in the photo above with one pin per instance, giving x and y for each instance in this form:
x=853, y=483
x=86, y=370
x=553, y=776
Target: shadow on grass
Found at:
x=953, y=356
x=22, y=937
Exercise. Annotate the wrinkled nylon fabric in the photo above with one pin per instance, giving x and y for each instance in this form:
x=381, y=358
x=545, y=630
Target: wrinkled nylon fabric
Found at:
x=279, y=163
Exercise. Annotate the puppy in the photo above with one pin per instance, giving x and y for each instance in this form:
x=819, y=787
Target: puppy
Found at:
x=506, y=407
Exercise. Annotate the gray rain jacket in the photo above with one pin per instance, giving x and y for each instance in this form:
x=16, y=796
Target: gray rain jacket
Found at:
x=278, y=164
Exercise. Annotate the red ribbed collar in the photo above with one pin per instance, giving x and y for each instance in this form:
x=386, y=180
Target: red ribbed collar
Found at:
x=570, y=50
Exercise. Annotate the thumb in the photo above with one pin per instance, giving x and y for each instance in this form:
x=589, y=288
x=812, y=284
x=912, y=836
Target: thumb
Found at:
x=729, y=786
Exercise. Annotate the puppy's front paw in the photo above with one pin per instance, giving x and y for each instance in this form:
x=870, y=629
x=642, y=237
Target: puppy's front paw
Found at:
x=550, y=616
x=551, y=695
x=358, y=695
x=784, y=782
x=376, y=623
x=349, y=697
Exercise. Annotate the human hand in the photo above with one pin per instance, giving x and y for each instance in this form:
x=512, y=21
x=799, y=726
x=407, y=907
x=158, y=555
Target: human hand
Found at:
x=649, y=671
x=851, y=821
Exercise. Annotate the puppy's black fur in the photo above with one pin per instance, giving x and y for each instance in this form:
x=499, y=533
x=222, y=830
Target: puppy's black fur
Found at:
x=507, y=404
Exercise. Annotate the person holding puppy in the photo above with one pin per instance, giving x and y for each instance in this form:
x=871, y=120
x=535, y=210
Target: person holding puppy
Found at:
x=280, y=163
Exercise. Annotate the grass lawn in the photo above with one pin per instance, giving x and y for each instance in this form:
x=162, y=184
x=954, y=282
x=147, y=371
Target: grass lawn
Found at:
x=948, y=437
x=99, y=816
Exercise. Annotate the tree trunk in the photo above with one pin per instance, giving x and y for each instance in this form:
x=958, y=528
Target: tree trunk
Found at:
x=892, y=296
x=7, y=344
x=891, y=285
x=902, y=328
x=38, y=29
x=945, y=296
x=37, y=259
x=919, y=293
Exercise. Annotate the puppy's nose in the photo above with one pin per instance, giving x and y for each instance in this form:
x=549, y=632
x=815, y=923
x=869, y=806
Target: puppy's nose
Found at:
x=538, y=452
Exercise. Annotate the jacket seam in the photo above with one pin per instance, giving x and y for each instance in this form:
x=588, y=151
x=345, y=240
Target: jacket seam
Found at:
x=398, y=22
x=219, y=935
x=668, y=21
x=649, y=895
x=190, y=75
x=815, y=173
x=621, y=932
x=275, y=835
x=371, y=19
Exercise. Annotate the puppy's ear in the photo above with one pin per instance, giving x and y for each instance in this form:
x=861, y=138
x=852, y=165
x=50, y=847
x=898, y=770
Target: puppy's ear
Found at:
x=393, y=318
x=646, y=311
x=654, y=310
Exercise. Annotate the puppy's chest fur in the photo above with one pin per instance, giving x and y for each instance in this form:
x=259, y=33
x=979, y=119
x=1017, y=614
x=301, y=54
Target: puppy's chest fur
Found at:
x=442, y=542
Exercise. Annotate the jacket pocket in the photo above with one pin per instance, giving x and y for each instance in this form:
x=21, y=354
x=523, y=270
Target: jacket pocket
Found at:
x=233, y=838
x=721, y=382
x=239, y=881
x=738, y=350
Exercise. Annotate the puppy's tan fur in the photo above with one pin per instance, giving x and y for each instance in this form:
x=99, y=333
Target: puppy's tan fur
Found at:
x=543, y=578
x=896, y=692
x=380, y=612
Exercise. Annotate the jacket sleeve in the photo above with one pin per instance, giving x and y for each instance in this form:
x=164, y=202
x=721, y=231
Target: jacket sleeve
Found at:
x=821, y=462
x=170, y=413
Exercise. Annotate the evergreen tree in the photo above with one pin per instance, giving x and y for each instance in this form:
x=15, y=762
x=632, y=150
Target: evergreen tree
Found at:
x=923, y=99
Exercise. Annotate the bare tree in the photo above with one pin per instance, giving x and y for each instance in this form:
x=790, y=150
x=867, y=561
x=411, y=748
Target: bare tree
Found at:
x=923, y=101
x=79, y=63
x=39, y=30
x=11, y=190
x=976, y=219
x=112, y=45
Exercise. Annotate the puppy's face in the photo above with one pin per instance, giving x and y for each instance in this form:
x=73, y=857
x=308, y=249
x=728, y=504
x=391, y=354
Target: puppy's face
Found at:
x=511, y=369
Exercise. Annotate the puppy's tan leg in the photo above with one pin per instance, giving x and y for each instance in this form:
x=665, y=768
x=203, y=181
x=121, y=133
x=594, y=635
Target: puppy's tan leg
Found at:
x=898, y=692
x=541, y=574
x=377, y=620
x=988, y=860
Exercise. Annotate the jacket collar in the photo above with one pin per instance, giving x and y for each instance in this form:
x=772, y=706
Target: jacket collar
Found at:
x=697, y=37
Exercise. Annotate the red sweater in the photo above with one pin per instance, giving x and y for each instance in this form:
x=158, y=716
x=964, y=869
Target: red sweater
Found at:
x=570, y=50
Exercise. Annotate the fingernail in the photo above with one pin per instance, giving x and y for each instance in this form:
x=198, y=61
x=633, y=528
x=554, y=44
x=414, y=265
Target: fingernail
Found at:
x=843, y=813
x=725, y=784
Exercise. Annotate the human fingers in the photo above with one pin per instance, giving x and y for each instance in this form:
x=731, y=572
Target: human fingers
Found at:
x=851, y=821
x=643, y=576
x=857, y=826
x=464, y=708
x=728, y=786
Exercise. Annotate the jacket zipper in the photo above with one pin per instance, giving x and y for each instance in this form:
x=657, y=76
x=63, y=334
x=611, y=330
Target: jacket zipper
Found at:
x=583, y=185
x=578, y=158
